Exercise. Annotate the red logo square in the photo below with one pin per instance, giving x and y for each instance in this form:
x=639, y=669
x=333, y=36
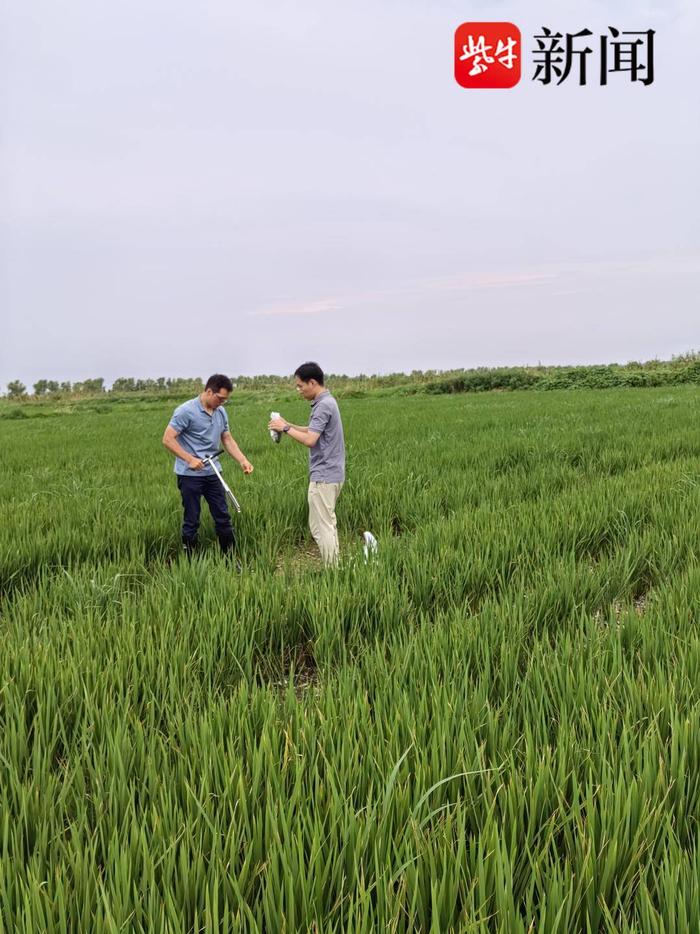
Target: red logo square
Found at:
x=487, y=55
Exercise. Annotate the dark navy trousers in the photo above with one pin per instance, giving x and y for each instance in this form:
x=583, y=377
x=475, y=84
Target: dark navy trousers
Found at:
x=192, y=489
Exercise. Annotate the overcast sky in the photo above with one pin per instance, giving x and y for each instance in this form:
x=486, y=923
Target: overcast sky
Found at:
x=236, y=186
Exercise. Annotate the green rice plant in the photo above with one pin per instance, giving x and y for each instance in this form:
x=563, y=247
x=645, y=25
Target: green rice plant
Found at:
x=494, y=726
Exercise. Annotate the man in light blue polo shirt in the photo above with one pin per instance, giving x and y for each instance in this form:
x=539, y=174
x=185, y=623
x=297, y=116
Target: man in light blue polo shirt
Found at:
x=325, y=440
x=198, y=429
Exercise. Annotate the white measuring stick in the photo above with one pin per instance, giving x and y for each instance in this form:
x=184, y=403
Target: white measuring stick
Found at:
x=227, y=489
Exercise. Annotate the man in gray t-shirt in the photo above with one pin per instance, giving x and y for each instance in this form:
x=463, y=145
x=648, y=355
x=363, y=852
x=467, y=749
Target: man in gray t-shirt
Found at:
x=324, y=438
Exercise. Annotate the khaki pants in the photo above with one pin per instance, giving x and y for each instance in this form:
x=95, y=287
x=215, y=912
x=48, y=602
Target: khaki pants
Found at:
x=322, y=500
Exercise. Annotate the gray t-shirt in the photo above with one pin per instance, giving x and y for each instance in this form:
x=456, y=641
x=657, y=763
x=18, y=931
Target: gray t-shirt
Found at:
x=327, y=456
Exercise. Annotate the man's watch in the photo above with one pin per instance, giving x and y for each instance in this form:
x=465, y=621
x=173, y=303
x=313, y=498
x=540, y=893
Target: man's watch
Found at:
x=286, y=428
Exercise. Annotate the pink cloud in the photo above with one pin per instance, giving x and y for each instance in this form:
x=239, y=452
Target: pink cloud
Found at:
x=298, y=308
x=416, y=288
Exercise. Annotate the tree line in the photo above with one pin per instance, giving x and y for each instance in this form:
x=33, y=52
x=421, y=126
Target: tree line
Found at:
x=16, y=389
x=684, y=368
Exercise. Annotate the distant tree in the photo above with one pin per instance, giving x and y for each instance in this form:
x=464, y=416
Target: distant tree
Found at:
x=89, y=386
x=94, y=385
x=16, y=389
x=124, y=384
x=45, y=386
x=185, y=384
x=690, y=356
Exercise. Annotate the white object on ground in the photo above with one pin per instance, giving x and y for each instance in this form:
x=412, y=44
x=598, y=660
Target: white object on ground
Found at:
x=371, y=545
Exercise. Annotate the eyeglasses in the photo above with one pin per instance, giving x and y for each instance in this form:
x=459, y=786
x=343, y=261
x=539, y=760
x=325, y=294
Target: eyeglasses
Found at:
x=222, y=399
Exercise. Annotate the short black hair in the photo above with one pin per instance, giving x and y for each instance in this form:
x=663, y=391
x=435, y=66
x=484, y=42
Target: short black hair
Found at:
x=219, y=381
x=308, y=371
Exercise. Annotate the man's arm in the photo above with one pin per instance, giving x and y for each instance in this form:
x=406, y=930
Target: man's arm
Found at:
x=232, y=448
x=301, y=434
x=171, y=443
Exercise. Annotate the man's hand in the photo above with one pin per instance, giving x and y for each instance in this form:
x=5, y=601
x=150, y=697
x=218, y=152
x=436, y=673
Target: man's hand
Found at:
x=246, y=465
x=195, y=463
x=278, y=424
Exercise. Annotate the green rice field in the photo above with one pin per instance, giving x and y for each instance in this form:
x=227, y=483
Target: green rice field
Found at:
x=494, y=726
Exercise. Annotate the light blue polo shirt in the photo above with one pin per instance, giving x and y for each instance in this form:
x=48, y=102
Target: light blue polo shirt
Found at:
x=199, y=432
